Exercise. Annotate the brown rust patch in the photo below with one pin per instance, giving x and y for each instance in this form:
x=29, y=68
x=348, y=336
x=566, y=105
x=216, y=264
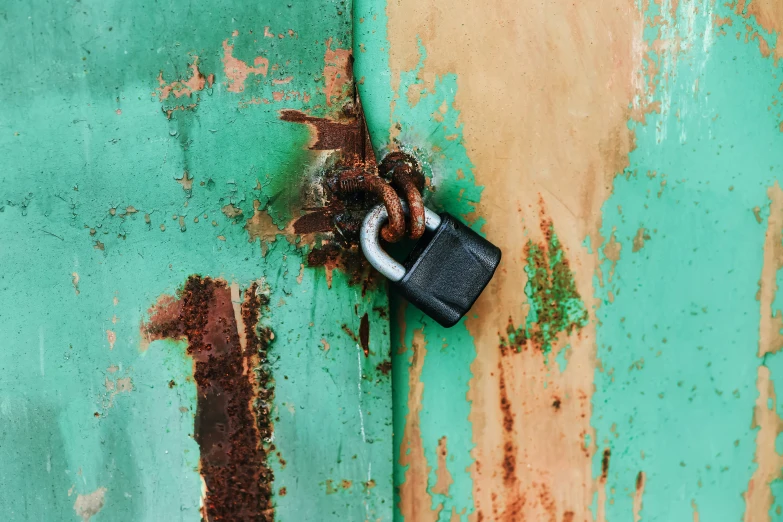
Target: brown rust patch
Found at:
x=513, y=501
x=351, y=261
x=641, y=479
x=235, y=391
x=605, y=464
x=384, y=367
x=601, y=511
x=554, y=303
x=364, y=334
x=345, y=134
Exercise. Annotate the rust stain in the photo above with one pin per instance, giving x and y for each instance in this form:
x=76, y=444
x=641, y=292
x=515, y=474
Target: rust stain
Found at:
x=195, y=83
x=237, y=71
x=384, y=367
x=443, y=479
x=415, y=499
x=601, y=511
x=233, y=427
x=343, y=134
x=641, y=480
x=338, y=72
x=232, y=212
x=351, y=261
x=553, y=302
x=364, y=334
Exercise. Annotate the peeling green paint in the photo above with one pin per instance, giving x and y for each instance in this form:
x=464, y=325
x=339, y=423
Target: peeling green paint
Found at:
x=108, y=203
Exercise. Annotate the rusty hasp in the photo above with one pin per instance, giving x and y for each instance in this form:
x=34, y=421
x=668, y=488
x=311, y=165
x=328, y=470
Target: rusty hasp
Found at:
x=394, y=229
x=406, y=176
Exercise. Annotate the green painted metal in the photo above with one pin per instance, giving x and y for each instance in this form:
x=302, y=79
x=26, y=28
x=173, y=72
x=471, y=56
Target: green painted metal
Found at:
x=128, y=168
x=694, y=285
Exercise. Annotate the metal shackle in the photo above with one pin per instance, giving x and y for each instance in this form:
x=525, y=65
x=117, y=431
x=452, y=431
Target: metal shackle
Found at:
x=371, y=247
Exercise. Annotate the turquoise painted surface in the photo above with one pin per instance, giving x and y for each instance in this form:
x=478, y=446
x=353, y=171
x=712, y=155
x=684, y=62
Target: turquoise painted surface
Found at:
x=98, y=220
x=686, y=303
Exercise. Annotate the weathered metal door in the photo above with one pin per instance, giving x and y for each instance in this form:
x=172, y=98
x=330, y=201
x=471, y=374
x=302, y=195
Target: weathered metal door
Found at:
x=168, y=351
x=162, y=201
x=627, y=157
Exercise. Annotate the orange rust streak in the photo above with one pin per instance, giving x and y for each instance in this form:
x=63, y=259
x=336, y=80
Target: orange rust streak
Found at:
x=415, y=500
x=237, y=71
x=638, y=495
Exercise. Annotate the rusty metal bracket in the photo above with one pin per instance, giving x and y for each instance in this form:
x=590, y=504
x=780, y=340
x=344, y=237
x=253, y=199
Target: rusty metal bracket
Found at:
x=406, y=177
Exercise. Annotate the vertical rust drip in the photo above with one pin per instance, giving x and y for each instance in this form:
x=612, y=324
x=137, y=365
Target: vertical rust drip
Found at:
x=235, y=390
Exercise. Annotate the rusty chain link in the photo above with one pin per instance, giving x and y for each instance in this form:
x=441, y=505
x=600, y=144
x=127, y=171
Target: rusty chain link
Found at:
x=403, y=174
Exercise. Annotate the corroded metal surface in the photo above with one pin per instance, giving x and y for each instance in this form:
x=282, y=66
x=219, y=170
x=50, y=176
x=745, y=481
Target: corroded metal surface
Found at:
x=626, y=156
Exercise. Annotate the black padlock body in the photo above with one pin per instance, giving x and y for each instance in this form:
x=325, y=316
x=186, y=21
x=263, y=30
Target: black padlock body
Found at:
x=447, y=270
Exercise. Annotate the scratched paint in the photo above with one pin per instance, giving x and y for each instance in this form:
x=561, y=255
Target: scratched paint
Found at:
x=126, y=136
x=654, y=143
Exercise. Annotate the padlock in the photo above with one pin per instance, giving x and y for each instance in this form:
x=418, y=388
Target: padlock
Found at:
x=444, y=273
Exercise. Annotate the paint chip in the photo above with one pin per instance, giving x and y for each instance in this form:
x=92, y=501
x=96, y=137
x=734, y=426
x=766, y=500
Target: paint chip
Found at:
x=86, y=506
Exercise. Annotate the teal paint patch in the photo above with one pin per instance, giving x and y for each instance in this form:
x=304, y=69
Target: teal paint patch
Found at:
x=555, y=303
x=685, y=302
x=562, y=358
x=437, y=143
x=96, y=227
